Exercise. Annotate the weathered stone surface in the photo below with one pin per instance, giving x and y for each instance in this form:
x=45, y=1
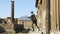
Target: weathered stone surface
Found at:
x=49, y=15
x=35, y=32
x=43, y=14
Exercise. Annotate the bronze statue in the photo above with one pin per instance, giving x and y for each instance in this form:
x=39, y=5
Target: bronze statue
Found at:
x=34, y=20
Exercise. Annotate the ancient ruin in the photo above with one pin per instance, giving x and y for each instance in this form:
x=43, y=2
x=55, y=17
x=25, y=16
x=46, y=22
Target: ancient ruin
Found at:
x=48, y=15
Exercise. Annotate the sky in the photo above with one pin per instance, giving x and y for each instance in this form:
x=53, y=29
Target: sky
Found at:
x=22, y=8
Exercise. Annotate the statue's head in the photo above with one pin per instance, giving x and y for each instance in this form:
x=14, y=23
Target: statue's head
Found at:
x=32, y=12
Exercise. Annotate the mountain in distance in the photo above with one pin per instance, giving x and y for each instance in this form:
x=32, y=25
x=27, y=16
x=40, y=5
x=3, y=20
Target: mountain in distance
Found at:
x=24, y=18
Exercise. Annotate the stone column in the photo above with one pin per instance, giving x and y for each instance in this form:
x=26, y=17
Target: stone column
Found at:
x=12, y=15
x=55, y=14
x=12, y=11
x=58, y=14
x=47, y=19
x=46, y=15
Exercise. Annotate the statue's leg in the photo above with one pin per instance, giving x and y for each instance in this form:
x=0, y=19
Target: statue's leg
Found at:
x=33, y=26
x=37, y=26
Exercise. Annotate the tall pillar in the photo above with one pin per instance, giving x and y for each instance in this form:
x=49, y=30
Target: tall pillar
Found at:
x=55, y=15
x=47, y=19
x=12, y=15
x=58, y=14
x=44, y=15
x=12, y=10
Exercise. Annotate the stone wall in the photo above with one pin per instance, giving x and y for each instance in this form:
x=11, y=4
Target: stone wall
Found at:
x=27, y=23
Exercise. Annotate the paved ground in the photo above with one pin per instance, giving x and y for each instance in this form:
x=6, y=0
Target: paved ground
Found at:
x=35, y=32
